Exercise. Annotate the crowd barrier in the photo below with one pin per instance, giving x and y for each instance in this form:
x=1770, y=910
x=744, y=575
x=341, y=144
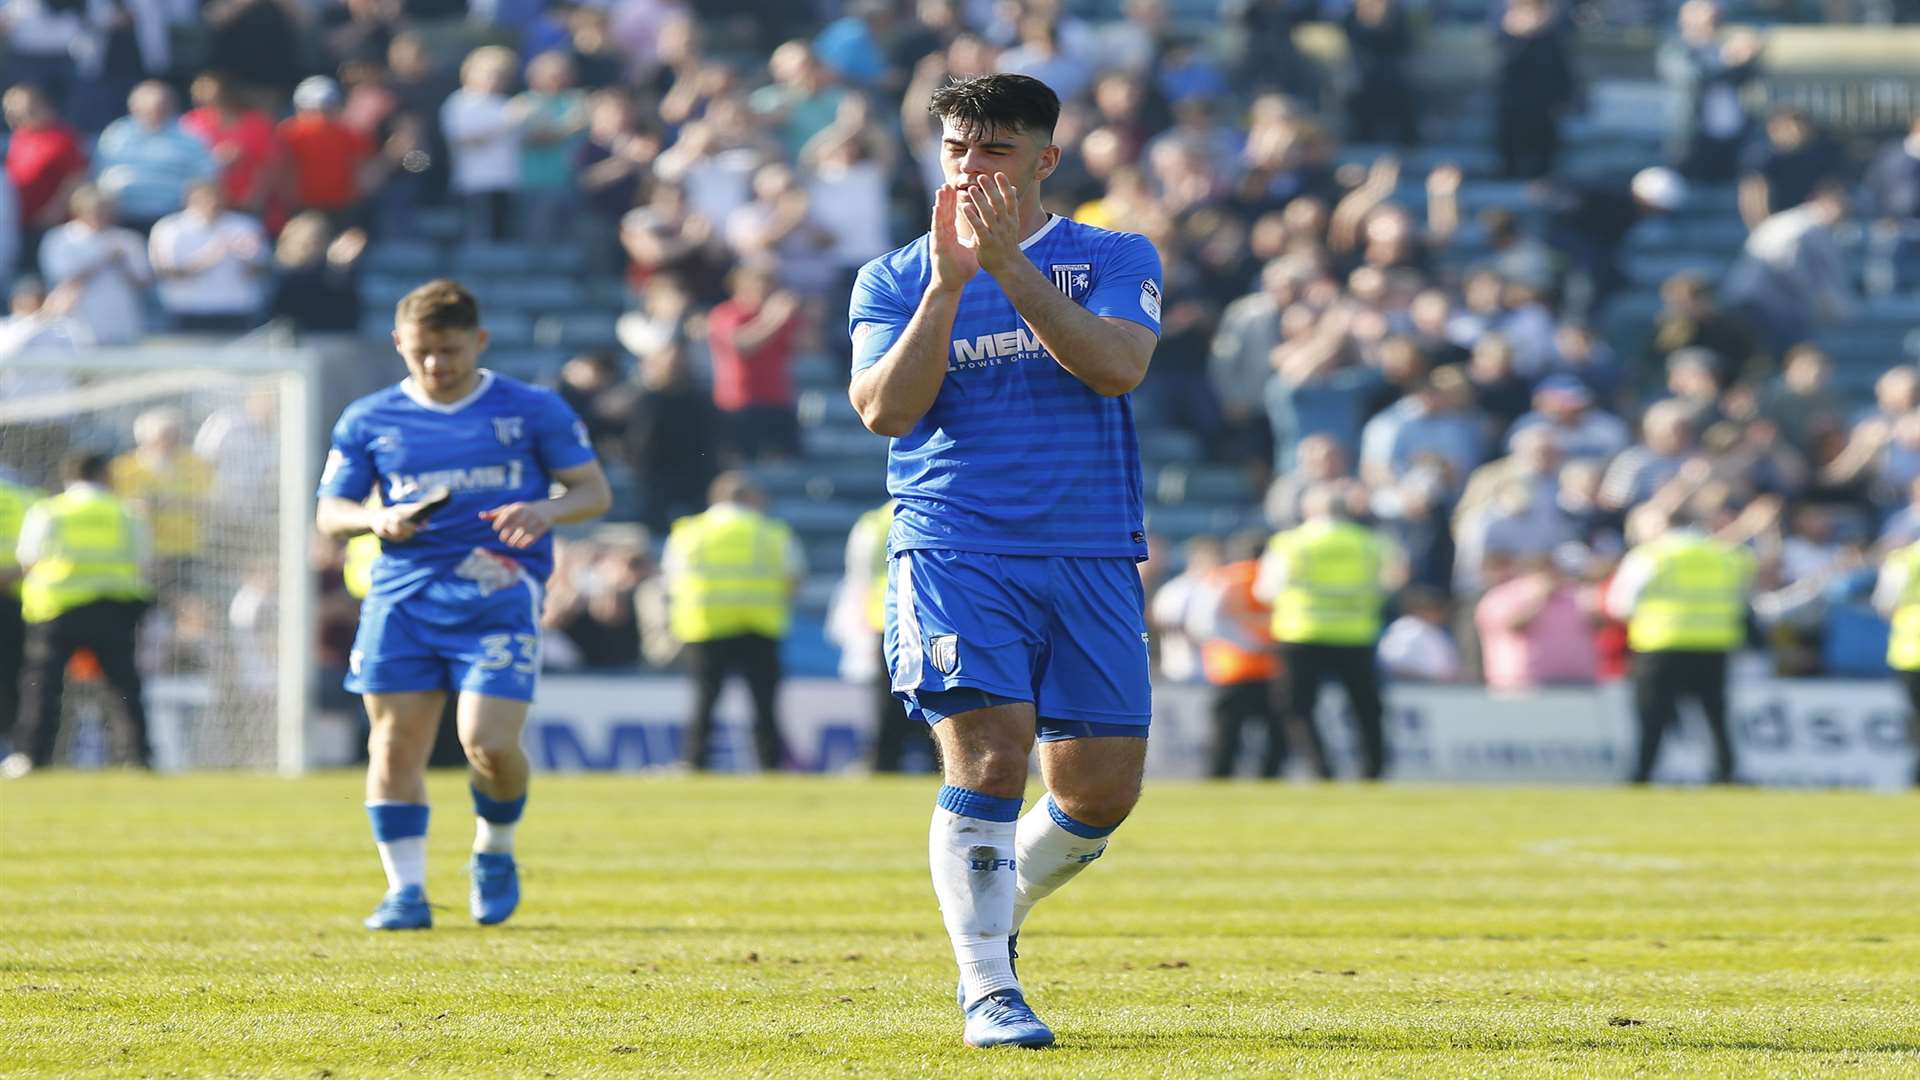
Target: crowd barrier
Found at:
x=1849, y=733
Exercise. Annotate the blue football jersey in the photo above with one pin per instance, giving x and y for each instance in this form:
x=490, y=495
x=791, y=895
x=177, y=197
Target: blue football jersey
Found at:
x=1016, y=457
x=501, y=445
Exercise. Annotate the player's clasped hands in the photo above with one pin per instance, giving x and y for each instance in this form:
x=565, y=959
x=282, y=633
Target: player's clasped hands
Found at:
x=519, y=524
x=991, y=207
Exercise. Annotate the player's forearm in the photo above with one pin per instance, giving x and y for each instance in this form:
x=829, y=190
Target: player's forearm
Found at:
x=893, y=394
x=581, y=501
x=1091, y=350
x=342, y=519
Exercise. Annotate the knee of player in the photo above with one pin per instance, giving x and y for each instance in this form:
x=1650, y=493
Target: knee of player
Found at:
x=484, y=750
x=994, y=770
x=1102, y=806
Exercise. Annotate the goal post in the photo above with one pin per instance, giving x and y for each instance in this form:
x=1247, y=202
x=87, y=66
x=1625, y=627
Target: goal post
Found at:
x=229, y=652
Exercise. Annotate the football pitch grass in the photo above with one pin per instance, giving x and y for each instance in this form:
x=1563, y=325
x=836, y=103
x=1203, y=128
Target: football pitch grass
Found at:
x=209, y=925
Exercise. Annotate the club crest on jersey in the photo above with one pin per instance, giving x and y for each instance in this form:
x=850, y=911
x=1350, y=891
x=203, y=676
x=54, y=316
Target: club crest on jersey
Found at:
x=508, y=429
x=1072, y=278
x=944, y=651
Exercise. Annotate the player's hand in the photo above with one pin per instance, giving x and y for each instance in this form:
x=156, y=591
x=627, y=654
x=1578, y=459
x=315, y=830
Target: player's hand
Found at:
x=394, y=523
x=519, y=524
x=954, y=263
x=992, y=209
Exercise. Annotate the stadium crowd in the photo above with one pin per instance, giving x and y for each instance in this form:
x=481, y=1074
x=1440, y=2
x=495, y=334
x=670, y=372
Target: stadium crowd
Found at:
x=1332, y=323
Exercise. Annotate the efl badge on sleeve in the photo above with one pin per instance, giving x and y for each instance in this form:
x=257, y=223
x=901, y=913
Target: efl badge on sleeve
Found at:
x=1072, y=278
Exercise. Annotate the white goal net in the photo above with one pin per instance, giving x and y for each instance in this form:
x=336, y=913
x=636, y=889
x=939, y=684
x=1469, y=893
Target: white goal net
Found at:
x=212, y=446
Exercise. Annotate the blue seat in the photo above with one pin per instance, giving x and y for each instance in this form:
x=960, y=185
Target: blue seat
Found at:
x=576, y=331
x=418, y=258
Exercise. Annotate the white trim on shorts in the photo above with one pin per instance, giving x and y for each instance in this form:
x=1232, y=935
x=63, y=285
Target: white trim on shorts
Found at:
x=908, y=668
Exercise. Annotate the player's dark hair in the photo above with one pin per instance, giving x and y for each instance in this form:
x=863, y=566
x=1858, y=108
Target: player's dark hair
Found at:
x=997, y=103
x=84, y=466
x=441, y=304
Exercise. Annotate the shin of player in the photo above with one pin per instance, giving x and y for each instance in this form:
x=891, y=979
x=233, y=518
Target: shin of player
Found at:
x=464, y=464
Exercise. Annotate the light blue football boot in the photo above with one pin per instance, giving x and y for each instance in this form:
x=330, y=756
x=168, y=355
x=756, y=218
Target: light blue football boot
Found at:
x=404, y=908
x=496, y=887
x=1003, y=1018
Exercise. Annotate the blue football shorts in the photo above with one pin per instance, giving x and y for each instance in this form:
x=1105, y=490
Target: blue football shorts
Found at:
x=967, y=630
x=452, y=635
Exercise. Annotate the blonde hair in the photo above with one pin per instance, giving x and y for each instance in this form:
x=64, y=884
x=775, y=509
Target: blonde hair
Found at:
x=488, y=60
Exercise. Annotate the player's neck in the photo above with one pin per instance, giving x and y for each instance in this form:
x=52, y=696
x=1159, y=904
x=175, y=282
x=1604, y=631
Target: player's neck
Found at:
x=450, y=395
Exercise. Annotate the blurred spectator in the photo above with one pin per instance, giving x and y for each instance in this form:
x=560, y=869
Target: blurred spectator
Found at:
x=1263, y=30
x=1534, y=458
x=1667, y=442
x=1792, y=276
x=1380, y=101
x=244, y=145
x=169, y=484
x=256, y=42
x=852, y=45
x=1440, y=418
x=778, y=229
x=1237, y=659
x=592, y=601
x=44, y=162
x=125, y=41
x=1534, y=88
x=416, y=139
x=41, y=38
x=612, y=167
x=1784, y=170
x=1705, y=75
x=1039, y=54
x=1183, y=602
x=1563, y=406
x=484, y=141
x=1522, y=521
x=240, y=444
x=552, y=116
x=316, y=286
x=1882, y=454
x=667, y=236
x=332, y=163
x=145, y=160
x=1695, y=386
x=716, y=157
x=753, y=335
x=1416, y=646
x=1177, y=393
x=802, y=99
x=672, y=441
x=361, y=30
x=1537, y=629
x=105, y=264
x=597, y=60
x=1903, y=525
x=1321, y=461
x=1514, y=255
x=211, y=263
x=1891, y=195
x=1499, y=393
x=1801, y=401
x=1690, y=318
x=591, y=385
x=39, y=322
x=1589, y=224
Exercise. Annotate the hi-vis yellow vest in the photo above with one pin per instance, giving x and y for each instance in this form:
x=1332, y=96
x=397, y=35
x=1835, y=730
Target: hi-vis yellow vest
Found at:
x=14, y=501
x=877, y=523
x=1903, y=644
x=356, y=564
x=1332, y=595
x=1696, y=598
x=735, y=576
x=89, y=555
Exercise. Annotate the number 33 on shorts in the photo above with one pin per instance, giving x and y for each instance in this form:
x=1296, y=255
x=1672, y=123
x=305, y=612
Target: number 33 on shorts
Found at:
x=498, y=653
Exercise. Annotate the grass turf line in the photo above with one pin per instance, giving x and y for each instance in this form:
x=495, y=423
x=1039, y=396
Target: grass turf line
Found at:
x=208, y=925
